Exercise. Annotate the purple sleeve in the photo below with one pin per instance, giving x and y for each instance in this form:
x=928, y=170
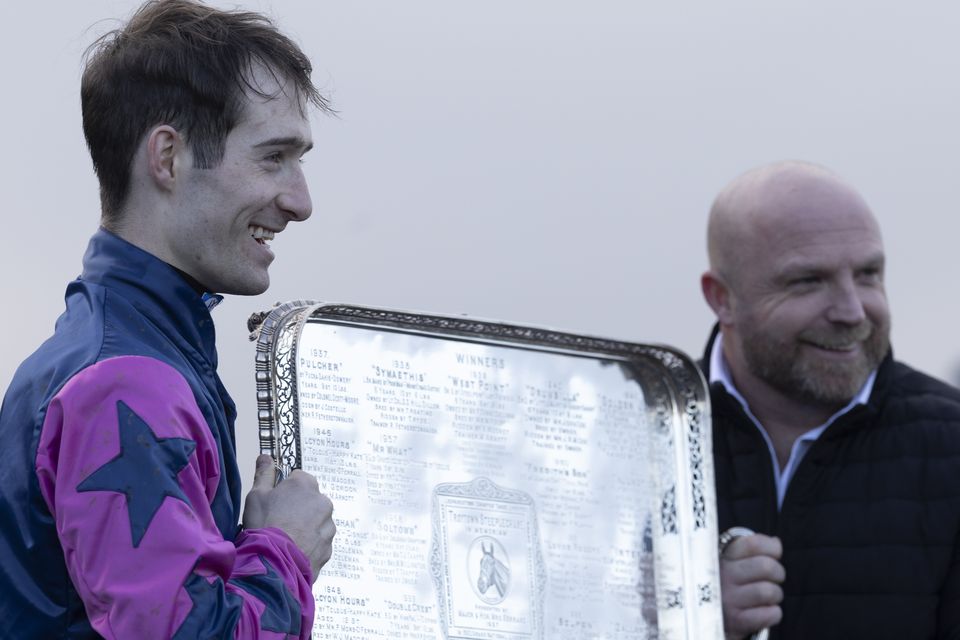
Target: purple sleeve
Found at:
x=129, y=468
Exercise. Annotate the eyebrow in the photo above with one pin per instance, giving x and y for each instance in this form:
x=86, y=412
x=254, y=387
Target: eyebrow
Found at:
x=803, y=267
x=286, y=141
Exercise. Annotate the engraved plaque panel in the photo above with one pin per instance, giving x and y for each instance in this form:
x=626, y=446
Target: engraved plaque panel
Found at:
x=494, y=482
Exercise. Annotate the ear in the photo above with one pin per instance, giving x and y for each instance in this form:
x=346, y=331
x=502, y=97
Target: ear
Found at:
x=165, y=146
x=718, y=295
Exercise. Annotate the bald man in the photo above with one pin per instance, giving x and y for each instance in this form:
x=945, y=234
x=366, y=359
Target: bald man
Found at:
x=845, y=462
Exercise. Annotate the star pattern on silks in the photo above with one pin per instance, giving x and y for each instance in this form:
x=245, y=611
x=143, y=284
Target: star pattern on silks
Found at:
x=145, y=470
x=215, y=611
x=282, y=612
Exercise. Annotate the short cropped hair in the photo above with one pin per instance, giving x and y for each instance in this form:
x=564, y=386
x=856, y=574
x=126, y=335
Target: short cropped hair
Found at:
x=182, y=63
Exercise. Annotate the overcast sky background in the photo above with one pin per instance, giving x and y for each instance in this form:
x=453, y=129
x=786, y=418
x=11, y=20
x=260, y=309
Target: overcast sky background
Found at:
x=540, y=162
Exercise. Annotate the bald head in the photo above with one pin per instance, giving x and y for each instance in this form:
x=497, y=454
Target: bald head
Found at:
x=796, y=281
x=768, y=203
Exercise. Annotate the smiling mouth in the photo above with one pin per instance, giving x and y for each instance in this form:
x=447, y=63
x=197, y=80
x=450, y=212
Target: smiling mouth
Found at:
x=261, y=235
x=850, y=341
x=842, y=348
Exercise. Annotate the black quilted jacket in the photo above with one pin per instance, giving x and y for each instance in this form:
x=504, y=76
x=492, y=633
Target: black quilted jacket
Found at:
x=870, y=523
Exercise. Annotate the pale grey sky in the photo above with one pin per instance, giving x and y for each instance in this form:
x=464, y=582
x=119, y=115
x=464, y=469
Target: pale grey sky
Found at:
x=542, y=162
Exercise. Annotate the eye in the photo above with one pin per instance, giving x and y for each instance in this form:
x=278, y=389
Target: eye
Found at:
x=806, y=280
x=276, y=157
x=870, y=274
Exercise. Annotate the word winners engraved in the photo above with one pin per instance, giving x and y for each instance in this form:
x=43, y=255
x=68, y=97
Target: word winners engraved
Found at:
x=493, y=482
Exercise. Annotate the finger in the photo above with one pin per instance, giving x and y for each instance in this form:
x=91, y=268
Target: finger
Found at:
x=752, y=569
x=326, y=555
x=753, y=545
x=324, y=551
x=265, y=473
x=752, y=620
x=325, y=507
x=301, y=477
x=328, y=530
x=753, y=595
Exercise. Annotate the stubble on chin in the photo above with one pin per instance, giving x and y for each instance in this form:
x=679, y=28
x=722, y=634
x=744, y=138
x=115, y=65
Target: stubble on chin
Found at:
x=805, y=376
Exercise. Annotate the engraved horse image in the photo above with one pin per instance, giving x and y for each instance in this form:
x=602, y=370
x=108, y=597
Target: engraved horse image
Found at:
x=492, y=572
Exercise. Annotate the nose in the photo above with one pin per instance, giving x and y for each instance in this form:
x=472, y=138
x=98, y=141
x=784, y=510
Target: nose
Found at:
x=294, y=199
x=846, y=304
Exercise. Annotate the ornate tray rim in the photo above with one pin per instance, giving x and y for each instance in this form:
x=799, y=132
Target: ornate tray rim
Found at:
x=688, y=591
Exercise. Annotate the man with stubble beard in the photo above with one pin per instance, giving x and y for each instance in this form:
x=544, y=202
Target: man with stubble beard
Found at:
x=844, y=462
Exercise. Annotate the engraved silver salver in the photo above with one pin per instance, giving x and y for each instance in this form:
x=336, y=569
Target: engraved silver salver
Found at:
x=495, y=482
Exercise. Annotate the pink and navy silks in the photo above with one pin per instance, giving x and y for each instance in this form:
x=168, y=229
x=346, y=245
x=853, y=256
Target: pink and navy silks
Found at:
x=119, y=491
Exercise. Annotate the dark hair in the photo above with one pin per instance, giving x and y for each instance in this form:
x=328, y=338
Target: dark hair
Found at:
x=182, y=63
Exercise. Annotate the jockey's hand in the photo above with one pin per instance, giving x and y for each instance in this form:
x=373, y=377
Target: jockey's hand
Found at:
x=297, y=507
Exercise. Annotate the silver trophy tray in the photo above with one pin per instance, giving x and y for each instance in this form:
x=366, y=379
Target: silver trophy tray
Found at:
x=491, y=481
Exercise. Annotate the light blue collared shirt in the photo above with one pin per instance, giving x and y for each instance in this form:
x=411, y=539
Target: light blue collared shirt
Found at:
x=720, y=372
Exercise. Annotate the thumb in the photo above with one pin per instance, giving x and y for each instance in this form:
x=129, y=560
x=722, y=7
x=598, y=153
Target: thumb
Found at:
x=265, y=474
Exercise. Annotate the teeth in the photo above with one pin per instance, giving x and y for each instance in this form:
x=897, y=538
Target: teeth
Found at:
x=846, y=347
x=259, y=233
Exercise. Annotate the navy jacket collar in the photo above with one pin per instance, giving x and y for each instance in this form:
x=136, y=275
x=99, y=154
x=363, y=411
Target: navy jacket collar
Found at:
x=154, y=288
